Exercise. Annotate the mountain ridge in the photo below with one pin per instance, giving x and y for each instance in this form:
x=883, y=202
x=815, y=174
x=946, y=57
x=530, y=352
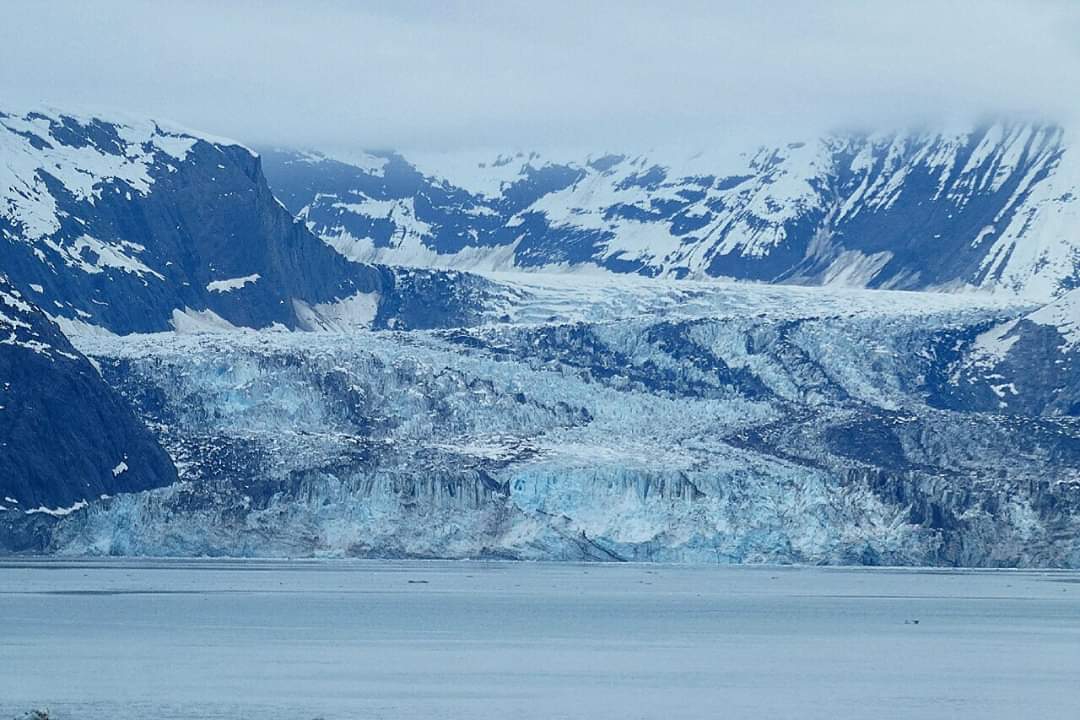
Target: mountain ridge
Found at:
x=993, y=207
x=140, y=228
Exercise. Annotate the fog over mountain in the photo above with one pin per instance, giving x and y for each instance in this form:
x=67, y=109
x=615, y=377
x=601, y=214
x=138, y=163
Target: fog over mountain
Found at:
x=602, y=75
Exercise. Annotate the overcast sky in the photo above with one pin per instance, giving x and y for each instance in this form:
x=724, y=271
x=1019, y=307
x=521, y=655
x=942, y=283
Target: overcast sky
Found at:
x=448, y=75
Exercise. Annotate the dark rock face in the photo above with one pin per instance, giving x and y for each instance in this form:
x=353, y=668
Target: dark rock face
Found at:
x=902, y=210
x=65, y=436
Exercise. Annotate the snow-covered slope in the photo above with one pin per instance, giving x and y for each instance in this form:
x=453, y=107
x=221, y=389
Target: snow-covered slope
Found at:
x=994, y=207
x=134, y=225
x=1028, y=364
x=65, y=436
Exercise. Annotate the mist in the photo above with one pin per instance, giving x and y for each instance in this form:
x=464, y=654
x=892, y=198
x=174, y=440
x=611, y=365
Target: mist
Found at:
x=466, y=75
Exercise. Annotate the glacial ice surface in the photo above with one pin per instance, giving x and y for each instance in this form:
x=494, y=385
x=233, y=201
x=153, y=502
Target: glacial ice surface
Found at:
x=593, y=419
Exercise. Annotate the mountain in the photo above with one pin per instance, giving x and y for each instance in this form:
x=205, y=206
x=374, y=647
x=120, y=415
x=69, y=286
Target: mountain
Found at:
x=66, y=437
x=624, y=404
x=993, y=207
x=138, y=226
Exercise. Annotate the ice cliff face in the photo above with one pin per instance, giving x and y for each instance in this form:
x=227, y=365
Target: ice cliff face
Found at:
x=994, y=207
x=66, y=437
x=829, y=427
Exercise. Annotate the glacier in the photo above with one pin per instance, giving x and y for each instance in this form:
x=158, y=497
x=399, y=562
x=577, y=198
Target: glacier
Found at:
x=599, y=420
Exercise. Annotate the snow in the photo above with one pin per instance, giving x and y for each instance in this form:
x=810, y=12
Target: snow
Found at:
x=188, y=321
x=224, y=286
x=176, y=147
x=60, y=511
x=1063, y=314
x=105, y=255
x=481, y=172
x=24, y=197
x=992, y=346
x=11, y=300
x=1036, y=252
x=72, y=327
x=128, y=165
x=369, y=163
x=410, y=250
x=403, y=212
x=855, y=269
x=357, y=311
x=758, y=195
x=17, y=322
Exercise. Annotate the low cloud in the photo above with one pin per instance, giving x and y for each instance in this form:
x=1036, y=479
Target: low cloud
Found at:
x=470, y=74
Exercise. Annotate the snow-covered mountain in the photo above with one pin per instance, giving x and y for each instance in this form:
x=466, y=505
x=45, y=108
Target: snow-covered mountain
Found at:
x=135, y=225
x=122, y=225
x=624, y=404
x=992, y=207
x=66, y=437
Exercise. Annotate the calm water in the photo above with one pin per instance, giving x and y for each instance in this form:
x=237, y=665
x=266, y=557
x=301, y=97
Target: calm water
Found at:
x=336, y=639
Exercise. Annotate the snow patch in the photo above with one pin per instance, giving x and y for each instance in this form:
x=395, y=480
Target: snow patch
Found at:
x=992, y=346
x=224, y=286
x=60, y=511
x=195, y=322
x=354, y=312
x=1063, y=314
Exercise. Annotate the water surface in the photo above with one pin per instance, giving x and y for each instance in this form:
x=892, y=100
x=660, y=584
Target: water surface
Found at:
x=341, y=639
